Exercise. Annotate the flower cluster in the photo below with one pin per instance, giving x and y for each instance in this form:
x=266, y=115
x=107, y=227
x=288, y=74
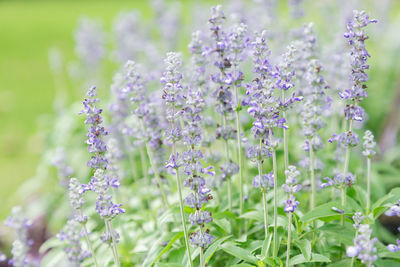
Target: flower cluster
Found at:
x=291, y=187
x=90, y=42
x=340, y=180
x=96, y=133
x=76, y=191
x=71, y=236
x=22, y=243
x=265, y=182
x=364, y=246
x=369, y=144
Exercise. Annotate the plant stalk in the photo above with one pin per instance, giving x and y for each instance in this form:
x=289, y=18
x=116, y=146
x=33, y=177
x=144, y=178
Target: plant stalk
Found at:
x=90, y=245
x=114, y=242
x=239, y=141
x=228, y=159
x=178, y=183
x=275, y=243
x=155, y=170
x=345, y=170
x=289, y=239
x=368, y=184
x=313, y=190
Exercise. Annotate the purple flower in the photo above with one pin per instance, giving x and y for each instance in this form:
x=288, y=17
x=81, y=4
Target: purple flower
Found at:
x=340, y=180
x=71, y=236
x=265, y=182
x=394, y=210
x=394, y=248
x=290, y=204
x=96, y=133
x=368, y=144
x=200, y=239
x=364, y=246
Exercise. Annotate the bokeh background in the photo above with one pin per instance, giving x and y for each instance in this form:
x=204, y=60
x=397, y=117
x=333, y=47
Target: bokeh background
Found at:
x=30, y=29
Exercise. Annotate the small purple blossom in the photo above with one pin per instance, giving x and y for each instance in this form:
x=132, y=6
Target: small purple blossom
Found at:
x=368, y=144
x=265, y=182
x=364, y=246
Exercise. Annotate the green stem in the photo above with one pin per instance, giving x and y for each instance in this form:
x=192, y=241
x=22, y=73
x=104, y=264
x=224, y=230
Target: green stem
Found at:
x=90, y=245
x=368, y=184
x=228, y=159
x=275, y=243
x=183, y=216
x=285, y=137
x=313, y=191
x=239, y=140
x=113, y=242
x=202, y=264
x=264, y=194
x=345, y=170
x=352, y=262
x=155, y=170
x=289, y=239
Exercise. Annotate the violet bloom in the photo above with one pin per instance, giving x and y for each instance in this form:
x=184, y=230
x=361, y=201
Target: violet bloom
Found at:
x=357, y=219
x=262, y=104
x=364, y=246
x=265, y=182
x=96, y=133
x=76, y=191
x=340, y=180
x=90, y=42
x=394, y=210
x=3, y=257
x=71, y=236
x=291, y=187
x=22, y=243
x=394, y=247
x=369, y=144
x=192, y=166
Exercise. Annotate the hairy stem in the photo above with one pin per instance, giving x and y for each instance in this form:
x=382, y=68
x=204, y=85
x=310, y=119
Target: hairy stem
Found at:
x=113, y=242
x=239, y=141
x=90, y=245
x=275, y=243
x=185, y=233
x=345, y=170
x=313, y=191
x=368, y=184
x=289, y=238
x=264, y=194
x=228, y=159
x=155, y=170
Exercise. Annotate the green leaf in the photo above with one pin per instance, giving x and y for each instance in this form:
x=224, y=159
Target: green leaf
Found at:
x=215, y=246
x=342, y=234
x=325, y=211
x=242, y=265
x=305, y=247
x=266, y=244
x=298, y=259
x=53, y=258
x=224, y=224
x=50, y=243
x=239, y=252
x=172, y=264
x=341, y=263
x=168, y=246
x=253, y=215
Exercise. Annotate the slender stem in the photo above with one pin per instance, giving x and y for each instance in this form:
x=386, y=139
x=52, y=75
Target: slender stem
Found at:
x=239, y=141
x=202, y=263
x=183, y=215
x=114, y=242
x=264, y=194
x=345, y=170
x=285, y=137
x=313, y=191
x=228, y=159
x=289, y=239
x=131, y=160
x=275, y=243
x=90, y=245
x=368, y=184
x=155, y=170
x=352, y=262
x=144, y=163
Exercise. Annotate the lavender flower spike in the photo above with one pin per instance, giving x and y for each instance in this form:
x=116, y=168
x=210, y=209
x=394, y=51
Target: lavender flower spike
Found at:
x=364, y=246
x=22, y=243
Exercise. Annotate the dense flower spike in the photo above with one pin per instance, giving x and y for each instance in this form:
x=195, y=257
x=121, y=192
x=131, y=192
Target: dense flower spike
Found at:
x=64, y=170
x=369, y=144
x=71, y=236
x=364, y=246
x=90, y=42
x=340, y=180
x=22, y=243
x=95, y=141
x=291, y=187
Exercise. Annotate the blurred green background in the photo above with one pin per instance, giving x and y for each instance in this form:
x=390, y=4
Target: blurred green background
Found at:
x=28, y=29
